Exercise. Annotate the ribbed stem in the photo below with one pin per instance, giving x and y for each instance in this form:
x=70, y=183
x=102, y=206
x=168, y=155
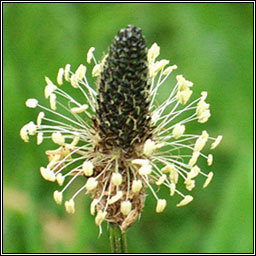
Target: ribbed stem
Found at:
x=117, y=239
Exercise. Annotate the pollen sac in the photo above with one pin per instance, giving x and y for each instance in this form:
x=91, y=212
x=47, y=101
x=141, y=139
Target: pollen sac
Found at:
x=123, y=117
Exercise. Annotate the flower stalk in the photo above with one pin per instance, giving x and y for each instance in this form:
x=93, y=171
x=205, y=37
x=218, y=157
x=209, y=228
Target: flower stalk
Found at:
x=118, y=242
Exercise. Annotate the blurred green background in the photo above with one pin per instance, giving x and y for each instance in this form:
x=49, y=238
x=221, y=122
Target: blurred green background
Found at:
x=212, y=44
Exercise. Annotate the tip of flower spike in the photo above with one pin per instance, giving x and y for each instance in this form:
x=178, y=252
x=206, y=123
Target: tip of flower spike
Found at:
x=161, y=204
x=186, y=200
x=70, y=206
x=31, y=103
x=57, y=196
x=208, y=179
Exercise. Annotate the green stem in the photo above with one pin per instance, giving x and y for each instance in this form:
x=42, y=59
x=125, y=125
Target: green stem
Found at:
x=117, y=239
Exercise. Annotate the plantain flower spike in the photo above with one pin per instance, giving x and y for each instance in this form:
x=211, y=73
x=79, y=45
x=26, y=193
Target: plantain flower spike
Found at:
x=117, y=138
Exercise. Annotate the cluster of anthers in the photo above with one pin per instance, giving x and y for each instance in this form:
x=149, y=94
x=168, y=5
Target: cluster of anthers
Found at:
x=135, y=145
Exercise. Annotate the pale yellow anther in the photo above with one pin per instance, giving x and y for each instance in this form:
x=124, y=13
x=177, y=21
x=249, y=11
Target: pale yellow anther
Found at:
x=168, y=70
x=186, y=200
x=190, y=184
x=193, y=172
x=178, y=130
x=216, y=142
x=136, y=186
x=58, y=138
x=155, y=116
x=47, y=174
x=78, y=110
x=204, y=116
x=24, y=133
x=161, y=180
x=48, y=80
x=60, y=179
x=91, y=184
x=174, y=176
x=145, y=170
x=149, y=147
x=39, y=119
x=51, y=176
x=57, y=196
x=60, y=76
x=31, y=128
x=193, y=159
x=49, y=89
x=80, y=72
x=126, y=207
x=167, y=168
x=100, y=217
x=183, y=96
x=39, y=138
x=140, y=162
x=87, y=168
x=75, y=141
x=70, y=206
x=31, y=103
x=200, y=143
x=74, y=81
x=53, y=161
x=53, y=101
x=203, y=95
x=66, y=72
x=208, y=179
x=153, y=53
x=183, y=83
x=209, y=159
x=93, y=206
x=160, y=206
x=202, y=106
x=116, y=197
x=205, y=135
x=90, y=54
x=96, y=70
x=159, y=65
x=44, y=172
x=116, y=179
x=172, y=189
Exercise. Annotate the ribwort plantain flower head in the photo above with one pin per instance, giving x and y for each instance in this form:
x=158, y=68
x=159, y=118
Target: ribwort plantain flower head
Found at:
x=118, y=138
